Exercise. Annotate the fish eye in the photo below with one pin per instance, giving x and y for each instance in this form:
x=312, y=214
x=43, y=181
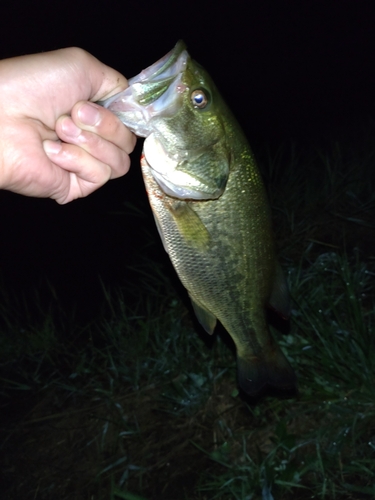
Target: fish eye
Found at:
x=199, y=98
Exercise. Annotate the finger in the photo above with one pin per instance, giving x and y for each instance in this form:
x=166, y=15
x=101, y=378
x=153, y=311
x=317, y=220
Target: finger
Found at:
x=87, y=172
x=94, y=145
x=73, y=73
x=94, y=118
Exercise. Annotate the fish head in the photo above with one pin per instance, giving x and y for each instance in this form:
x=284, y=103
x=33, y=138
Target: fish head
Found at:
x=175, y=105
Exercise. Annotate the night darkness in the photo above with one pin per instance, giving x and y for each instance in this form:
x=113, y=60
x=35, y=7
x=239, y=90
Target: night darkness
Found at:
x=300, y=71
x=293, y=72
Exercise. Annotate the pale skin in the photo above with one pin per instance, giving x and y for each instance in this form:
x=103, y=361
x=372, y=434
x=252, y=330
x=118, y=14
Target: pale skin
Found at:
x=54, y=141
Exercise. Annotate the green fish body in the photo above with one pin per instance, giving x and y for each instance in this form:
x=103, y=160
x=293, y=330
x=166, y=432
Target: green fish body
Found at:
x=211, y=209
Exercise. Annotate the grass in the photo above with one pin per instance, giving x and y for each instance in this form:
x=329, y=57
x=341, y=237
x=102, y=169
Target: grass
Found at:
x=140, y=404
x=322, y=445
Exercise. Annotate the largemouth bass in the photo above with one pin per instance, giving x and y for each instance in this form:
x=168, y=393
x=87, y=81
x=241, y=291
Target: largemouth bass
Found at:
x=211, y=209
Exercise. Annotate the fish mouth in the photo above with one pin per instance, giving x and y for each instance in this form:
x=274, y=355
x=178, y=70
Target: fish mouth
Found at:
x=154, y=91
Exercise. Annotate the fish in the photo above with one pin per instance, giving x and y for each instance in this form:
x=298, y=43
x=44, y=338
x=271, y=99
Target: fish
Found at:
x=211, y=209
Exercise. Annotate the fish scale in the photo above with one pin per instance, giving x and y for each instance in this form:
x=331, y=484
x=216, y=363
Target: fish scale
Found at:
x=211, y=209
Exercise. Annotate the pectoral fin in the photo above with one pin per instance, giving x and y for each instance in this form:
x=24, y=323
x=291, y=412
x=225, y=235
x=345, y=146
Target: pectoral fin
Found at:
x=191, y=228
x=189, y=225
x=205, y=318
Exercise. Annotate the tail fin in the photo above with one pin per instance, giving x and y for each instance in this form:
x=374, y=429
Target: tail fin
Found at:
x=272, y=369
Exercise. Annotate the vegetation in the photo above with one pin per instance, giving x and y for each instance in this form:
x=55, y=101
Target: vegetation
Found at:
x=141, y=404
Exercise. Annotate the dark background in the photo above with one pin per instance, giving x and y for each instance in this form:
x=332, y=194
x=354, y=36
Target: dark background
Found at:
x=300, y=71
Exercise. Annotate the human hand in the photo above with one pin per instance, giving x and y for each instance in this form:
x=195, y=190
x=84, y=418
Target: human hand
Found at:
x=53, y=142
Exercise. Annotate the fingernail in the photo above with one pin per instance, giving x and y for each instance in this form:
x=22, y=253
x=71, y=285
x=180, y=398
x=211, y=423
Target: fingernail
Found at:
x=52, y=147
x=69, y=128
x=89, y=114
